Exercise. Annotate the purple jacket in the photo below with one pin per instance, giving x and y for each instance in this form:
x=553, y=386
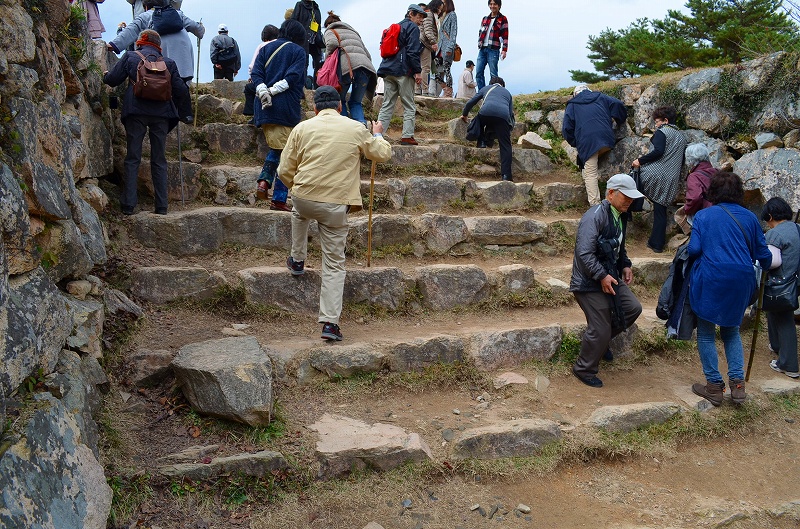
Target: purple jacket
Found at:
x=697, y=186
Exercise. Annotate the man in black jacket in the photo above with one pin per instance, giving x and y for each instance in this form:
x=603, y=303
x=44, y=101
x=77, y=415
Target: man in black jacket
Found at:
x=601, y=273
x=308, y=14
x=142, y=115
x=401, y=73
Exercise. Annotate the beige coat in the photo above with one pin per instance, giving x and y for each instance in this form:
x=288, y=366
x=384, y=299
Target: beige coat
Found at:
x=356, y=56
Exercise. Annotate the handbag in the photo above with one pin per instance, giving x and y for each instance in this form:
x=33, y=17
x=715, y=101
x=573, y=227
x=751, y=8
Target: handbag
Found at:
x=638, y=203
x=781, y=293
x=329, y=72
x=474, y=128
x=457, y=53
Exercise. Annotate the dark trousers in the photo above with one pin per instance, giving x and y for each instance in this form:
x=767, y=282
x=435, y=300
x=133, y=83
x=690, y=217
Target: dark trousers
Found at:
x=500, y=129
x=223, y=74
x=135, y=128
x=249, y=99
x=596, y=306
x=658, y=236
x=783, y=338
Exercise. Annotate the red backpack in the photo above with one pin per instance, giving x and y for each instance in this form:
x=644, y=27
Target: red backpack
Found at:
x=390, y=41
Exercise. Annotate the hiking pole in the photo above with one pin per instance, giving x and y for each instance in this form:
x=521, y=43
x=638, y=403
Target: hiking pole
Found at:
x=369, y=221
x=755, y=326
x=196, y=84
x=180, y=163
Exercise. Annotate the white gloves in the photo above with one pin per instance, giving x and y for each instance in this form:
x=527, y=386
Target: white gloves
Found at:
x=264, y=95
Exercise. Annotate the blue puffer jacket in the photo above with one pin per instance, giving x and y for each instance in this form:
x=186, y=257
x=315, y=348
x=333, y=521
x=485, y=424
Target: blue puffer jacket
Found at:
x=406, y=61
x=125, y=69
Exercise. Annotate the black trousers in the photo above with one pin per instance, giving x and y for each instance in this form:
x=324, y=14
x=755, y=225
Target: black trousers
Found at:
x=136, y=126
x=500, y=129
x=223, y=74
x=596, y=307
x=658, y=235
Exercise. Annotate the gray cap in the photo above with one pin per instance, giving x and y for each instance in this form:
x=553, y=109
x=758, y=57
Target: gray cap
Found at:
x=624, y=184
x=417, y=9
x=325, y=94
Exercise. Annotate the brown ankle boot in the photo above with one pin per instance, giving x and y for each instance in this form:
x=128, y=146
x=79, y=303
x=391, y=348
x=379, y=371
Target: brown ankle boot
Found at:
x=737, y=391
x=712, y=392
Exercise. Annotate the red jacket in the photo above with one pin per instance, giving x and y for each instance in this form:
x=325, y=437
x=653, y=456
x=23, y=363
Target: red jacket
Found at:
x=499, y=31
x=697, y=186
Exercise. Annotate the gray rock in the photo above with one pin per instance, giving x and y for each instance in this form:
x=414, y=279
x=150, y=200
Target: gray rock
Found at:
x=441, y=232
x=150, y=367
x=215, y=108
x=404, y=156
x=190, y=454
x=64, y=251
x=631, y=416
x=434, y=193
x=717, y=149
x=275, y=286
x=517, y=438
x=493, y=350
x=396, y=192
x=531, y=140
x=51, y=466
x=229, y=378
x=755, y=73
x=514, y=279
x=420, y=353
x=346, y=361
x=35, y=322
x=505, y=195
x=445, y=286
x=779, y=114
x=377, y=287
x=80, y=289
x=457, y=129
x=700, y=81
x=347, y=445
x=450, y=153
x=505, y=230
x=765, y=140
x=651, y=270
x=534, y=117
x=15, y=224
x=556, y=119
x=191, y=180
x=163, y=284
x=780, y=386
x=16, y=26
x=771, y=172
x=233, y=179
x=708, y=116
x=94, y=196
x=792, y=139
x=118, y=304
x=259, y=465
x=229, y=138
x=643, y=111
x=204, y=230
x=630, y=93
x=87, y=328
x=560, y=195
x=531, y=161
x=20, y=81
x=387, y=230
x=224, y=88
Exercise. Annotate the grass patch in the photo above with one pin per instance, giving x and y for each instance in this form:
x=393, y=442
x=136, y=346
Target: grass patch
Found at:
x=538, y=296
x=231, y=301
x=560, y=238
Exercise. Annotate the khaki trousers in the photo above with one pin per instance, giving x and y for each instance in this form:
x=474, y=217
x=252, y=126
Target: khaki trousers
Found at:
x=333, y=228
x=590, y=179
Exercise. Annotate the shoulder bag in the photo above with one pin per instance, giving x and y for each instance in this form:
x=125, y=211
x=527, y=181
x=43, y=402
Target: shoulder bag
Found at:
x=474, y=128
x=457, y=50
x=780, y=293
x=638, y=203
x=754, y=295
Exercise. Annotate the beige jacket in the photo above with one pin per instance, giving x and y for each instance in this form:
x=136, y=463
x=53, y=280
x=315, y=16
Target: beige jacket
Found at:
x=322, y=158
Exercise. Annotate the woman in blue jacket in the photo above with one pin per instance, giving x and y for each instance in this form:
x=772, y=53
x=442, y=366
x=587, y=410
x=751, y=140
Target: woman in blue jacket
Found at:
x=726, y=240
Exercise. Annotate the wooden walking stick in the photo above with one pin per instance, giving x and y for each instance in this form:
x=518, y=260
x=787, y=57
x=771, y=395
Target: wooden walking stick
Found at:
x=197, y=80
x=756, y=324
x=369, y=221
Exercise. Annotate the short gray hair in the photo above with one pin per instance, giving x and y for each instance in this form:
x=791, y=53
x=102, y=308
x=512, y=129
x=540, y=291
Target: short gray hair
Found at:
x=696, y=153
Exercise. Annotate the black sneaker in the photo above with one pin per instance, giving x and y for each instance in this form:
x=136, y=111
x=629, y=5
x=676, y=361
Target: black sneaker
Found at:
x=330, y=331
x=297, y=268
x=608, y=356
x=591, y=380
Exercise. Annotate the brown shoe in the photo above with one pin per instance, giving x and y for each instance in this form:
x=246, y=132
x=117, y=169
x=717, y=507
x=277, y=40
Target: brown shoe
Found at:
x=279, y=206
x=737, y=391
x=408, y=141
x=262, y=191
x=711, y=392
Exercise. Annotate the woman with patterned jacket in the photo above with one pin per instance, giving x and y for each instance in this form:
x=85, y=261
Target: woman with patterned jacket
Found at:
x=661, y=172
x=448, y=33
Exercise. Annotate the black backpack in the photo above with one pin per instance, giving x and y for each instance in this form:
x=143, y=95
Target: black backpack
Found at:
x=228, y=53
x=167, y=20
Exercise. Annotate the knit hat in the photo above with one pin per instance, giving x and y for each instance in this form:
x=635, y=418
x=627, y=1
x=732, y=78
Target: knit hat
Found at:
x=288, y=13
x=326, y=94
x=580, y=88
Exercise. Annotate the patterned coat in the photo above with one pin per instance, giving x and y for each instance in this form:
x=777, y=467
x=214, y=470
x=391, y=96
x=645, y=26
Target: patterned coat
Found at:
x=661, y=177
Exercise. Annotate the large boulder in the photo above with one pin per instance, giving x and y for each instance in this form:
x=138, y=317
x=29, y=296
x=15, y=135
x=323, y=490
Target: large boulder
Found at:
x=162, y=284
x=771, y=173
x=517, y=438
x=445, y=286
x=496, y=349
x=230, y=378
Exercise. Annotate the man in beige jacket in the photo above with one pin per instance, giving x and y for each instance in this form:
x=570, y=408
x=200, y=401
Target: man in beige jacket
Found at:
x=321, y=165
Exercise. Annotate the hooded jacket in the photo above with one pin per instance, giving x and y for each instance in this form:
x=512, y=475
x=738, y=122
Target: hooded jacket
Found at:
x=405, y=62
x=587, y=122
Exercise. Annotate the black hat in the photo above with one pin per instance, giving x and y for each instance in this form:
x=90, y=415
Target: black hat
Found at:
x=326, y=94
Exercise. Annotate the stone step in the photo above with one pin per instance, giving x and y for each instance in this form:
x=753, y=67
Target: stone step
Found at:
x=204, y=230
x=437, y=287
x=427, y=193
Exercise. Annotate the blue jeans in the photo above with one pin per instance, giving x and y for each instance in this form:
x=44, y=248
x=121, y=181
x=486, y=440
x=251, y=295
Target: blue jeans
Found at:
x=486, y=55
x=359, y=88
x=707, y=347
x=269, y=173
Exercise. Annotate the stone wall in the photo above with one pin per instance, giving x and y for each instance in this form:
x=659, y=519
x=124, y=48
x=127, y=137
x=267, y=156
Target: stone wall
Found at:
x=55, y=143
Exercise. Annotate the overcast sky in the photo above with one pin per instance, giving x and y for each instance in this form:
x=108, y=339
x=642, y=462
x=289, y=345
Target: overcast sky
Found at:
x=546, y=39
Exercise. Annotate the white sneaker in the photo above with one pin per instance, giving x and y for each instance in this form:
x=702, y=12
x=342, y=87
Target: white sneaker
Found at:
x=790, y=374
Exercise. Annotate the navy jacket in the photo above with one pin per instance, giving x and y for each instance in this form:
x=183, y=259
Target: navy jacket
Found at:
x=587, y=122
x=406, y=61
x=126, y=69
x=498, y=104
x=289, y=63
